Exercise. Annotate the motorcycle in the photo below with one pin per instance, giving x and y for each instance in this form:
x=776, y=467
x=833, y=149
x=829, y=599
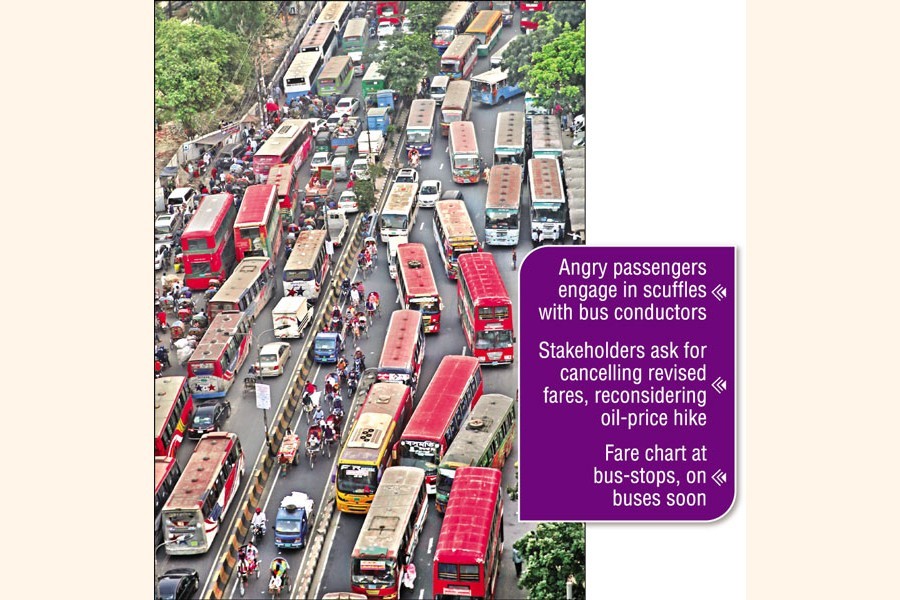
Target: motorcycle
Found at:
x=256, y=531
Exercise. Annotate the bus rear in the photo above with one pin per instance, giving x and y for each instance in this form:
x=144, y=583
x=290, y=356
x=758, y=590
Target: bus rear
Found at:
x=485, y=309
x=399, y=212
x=529, y=10
x=219, y=356
x=307, y=266
x=549, y=213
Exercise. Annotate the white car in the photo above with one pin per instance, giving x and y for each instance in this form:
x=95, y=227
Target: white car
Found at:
x=320, y=159
x=407, y=175
x=429, y=193
x=348, y=202
x=317, y=125
x=334, y=121
x=347, y=105
x=166, y=226
x=386, y=28
x=360, y=168
x=273, y=359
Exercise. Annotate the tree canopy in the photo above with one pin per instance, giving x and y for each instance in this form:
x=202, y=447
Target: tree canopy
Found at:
x=557, y=73
x=251, y=21
x=196, y=68
x=568, y=12
x=404, y=61
x=552, y=553
x=424, y=16
x=517, y=56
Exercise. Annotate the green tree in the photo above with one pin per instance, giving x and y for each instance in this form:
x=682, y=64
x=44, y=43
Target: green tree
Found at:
x=405, y=61
x=424, y=16
x=568, y=12
x=196, y=68
x=517, y=56
x=253, y=21
x=552, y=553
x=365, y=194
x=557, y=72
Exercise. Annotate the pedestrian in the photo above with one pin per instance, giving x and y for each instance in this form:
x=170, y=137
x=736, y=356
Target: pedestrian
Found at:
x=565, y=120
x=277, y=92
x=517, y=561
x=514, y=259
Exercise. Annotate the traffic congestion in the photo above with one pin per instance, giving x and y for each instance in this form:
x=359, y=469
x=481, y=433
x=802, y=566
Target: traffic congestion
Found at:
x=391, y=327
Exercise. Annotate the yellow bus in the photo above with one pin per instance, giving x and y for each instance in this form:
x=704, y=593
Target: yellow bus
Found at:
x=367, y=452
x=486, y=29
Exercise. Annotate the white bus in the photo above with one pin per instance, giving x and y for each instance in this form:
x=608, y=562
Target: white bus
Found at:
x=300, y=78
x=307, y=266
x=321, y=38
x=501, y=209
x=399, y=213
x=337, y=13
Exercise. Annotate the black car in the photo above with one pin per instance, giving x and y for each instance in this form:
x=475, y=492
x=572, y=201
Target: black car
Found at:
x=451, y=195
x=177, y=584
x=208, y=417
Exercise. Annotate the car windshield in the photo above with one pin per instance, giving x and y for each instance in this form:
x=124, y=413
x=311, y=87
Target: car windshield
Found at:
x=203, y=419
x=327, y=345
x=288, y=525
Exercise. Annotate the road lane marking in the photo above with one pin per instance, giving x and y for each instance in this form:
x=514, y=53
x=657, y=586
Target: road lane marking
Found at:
x=441, y=166
x=421, y=593
x=464, y=351
x=430, y=544
x=422, y=226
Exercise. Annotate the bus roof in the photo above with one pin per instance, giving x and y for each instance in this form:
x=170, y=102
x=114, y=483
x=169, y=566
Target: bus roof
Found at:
x=483, y=21
x=504, y=187
x=510, y=131
x=216, y=338
x=166, y=390
x=462, y=137
x=317, y=35
x=421, y=113
x=384, y=403
x=545, y=133
x=334, y=66
x=302, y=65
x=244, y=274
x=209, y=215
x=479, y=273
x=466, y=528
x=573, y=165
x=332, y=12
x=457, y=11
x=372, y=73
x=491, y=77
x=546, y=183
x=306, y=249
x=259, y=201
x=419, y=279
x=484, y=420
x=438, y=404
x=281, y=176
x=388, y=516
x=201, y=470
x=400, y=341
x=401, y=196
x=356, y=28
x=282, y=137
x=459, y=46
x=458, y=93
x=455, y=221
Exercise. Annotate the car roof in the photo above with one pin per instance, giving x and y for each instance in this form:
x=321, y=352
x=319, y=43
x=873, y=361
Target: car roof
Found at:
x=273, y=346
x=427, y=181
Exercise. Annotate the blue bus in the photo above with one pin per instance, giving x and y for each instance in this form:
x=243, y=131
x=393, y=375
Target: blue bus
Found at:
x=493, y=87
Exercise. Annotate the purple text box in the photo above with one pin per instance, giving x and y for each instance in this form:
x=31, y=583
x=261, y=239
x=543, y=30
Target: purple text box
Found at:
x=627, y=406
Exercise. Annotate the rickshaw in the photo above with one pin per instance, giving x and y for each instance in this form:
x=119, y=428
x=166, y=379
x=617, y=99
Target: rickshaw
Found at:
x=185, y=314
x=281, y=577
x=313, y=444
x=287, y=454
x=176, y=330
x=248, y=562
x=310, y=404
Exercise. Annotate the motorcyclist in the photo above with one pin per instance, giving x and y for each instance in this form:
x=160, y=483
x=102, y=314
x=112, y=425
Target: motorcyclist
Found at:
x=345, y=287
x=319, y=414
x=327, y=431
x=359, y=359
x=259, y=521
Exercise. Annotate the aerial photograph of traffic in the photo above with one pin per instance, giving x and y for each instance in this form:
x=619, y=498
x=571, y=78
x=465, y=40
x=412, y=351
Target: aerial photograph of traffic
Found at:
x=344, y=194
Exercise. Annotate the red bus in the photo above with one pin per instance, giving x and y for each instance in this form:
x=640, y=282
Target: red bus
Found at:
x=403, y=350
x=528, y=9
x=257, y=228
x=219, y=355
x=207, y=243
x=485, y=309
x=460, y=57
x=290, y=143
x=191, y=516
x=172, y=409
x=167, y=472
x=416, y=286
x=467, y=557
x=455, y=388
x=283, y=177
x=391, y=12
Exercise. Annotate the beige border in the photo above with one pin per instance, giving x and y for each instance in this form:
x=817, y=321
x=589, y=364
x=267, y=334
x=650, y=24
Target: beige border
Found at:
x=824, y=151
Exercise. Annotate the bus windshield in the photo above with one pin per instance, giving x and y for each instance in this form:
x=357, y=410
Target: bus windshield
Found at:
x=501, y=338
x=445, y=34
x=548, y=213
x=502, y=218
x=394, y=221
x=356, y=478
x=465, y=162
x=418, y=136
x=422, y=454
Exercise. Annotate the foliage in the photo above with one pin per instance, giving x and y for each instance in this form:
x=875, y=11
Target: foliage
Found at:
x=196, y=68
x=557, y=72
x=517, y=56
x=552, y=552
x=568, y=12
x=405, y=61
x=249, y=20
x=423, y=17
x=365, y=194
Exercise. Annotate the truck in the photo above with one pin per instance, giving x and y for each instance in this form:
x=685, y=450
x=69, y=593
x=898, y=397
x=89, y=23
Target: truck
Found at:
x=327, y=347
x=290, y=317
x=336, y=224
x=292, y=521
x=378, y=118
x=371, y=142
x=320, y=187
x=347, y=135
x=549, y=213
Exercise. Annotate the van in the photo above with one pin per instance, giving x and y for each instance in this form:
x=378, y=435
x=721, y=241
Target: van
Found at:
x=290, y=317
x=438, y=88
x=167, y=226
x=185, y=198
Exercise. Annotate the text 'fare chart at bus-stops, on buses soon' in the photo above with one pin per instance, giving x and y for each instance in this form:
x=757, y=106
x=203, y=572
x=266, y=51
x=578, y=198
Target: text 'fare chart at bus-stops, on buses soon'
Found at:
x=627, y=403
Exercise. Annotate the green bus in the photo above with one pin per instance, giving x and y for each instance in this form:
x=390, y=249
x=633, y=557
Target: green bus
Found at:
x=372, y=81
x=355, y=35
x=336, y=76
